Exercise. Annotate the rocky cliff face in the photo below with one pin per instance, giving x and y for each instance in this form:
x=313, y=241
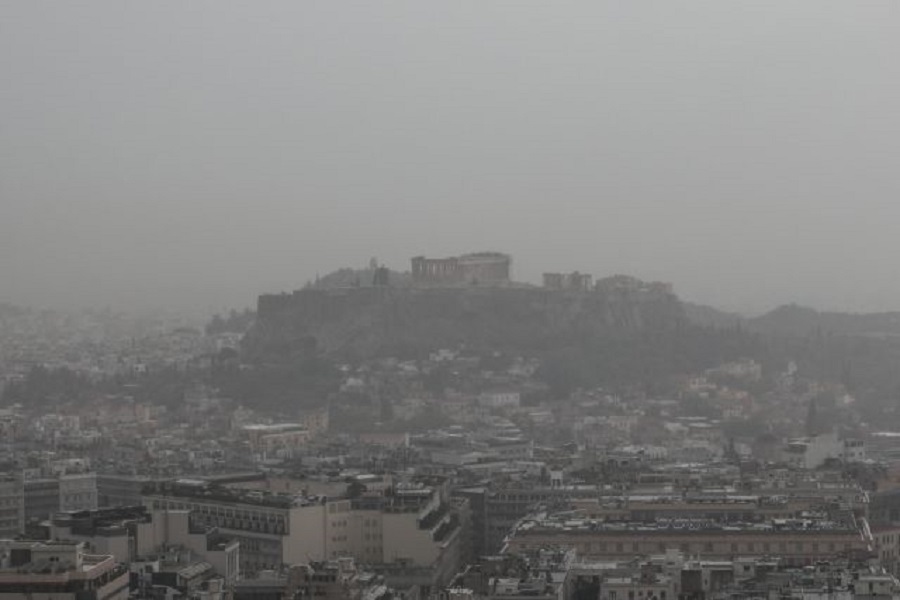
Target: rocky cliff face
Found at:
x=366, y=322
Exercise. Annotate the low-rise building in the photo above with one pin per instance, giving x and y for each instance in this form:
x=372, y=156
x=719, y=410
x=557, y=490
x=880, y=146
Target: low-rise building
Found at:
x=45, y=496
x=136, y=533
x=60, y=570
x=795, y=541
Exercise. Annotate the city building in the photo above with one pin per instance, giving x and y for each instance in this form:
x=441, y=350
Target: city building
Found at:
x=278, y=440
x=796, y=542
x=12, y=505
x=135, y=534
x=415, y=525
x=61, y=571
x=45, y=496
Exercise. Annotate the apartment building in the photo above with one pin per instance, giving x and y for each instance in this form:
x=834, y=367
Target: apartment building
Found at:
x=269, y=528
x=12, y=505
x=45, y=496
x=135, y=533
x=414, y=524
x=59, y=570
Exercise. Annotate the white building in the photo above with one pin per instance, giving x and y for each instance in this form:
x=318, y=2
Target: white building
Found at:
x=813, y=452
x=500, y=399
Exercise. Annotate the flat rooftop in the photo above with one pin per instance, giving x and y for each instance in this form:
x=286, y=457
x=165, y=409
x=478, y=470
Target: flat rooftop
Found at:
x=569, y=523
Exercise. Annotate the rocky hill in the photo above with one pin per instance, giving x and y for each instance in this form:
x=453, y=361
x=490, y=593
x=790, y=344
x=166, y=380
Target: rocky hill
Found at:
x=371, y=321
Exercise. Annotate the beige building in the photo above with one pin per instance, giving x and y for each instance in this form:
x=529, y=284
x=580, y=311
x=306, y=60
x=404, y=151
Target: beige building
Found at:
x=416, y=525
x=413, y=524
x=61, y=571
x=134, y=533
x=268, y=528
x=280, y=440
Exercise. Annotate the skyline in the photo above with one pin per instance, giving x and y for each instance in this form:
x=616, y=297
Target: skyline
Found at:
x=193, y=157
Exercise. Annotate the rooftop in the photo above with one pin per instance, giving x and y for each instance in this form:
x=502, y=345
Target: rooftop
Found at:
x=571, y=523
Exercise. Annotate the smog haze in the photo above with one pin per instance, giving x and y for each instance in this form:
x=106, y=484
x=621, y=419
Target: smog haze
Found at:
x=197, y=154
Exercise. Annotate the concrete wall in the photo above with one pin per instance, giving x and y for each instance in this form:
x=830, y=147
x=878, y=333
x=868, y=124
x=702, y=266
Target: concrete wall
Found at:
x=402, y=539
x=306, y=539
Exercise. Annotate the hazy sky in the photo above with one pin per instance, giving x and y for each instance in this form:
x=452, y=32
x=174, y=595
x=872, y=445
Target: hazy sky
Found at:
x=194, y=154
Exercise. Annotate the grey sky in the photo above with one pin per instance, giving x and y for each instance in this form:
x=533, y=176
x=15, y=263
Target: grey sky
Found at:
x=197, y=153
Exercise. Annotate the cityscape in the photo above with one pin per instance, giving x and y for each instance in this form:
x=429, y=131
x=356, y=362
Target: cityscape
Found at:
x=278, y=453
x=449, y=300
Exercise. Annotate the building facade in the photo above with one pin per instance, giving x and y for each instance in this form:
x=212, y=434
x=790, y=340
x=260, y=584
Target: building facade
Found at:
x=12, y=505
x=417, y=525
x=795, y=542
x=61, y=571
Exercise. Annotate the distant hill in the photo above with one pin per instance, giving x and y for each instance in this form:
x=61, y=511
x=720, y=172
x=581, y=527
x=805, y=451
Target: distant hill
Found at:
x=794, y=320
x=707, y=316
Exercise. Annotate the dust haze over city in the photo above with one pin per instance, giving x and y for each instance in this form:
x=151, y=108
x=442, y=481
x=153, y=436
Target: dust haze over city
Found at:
x=449, y=301
x=165, y=155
